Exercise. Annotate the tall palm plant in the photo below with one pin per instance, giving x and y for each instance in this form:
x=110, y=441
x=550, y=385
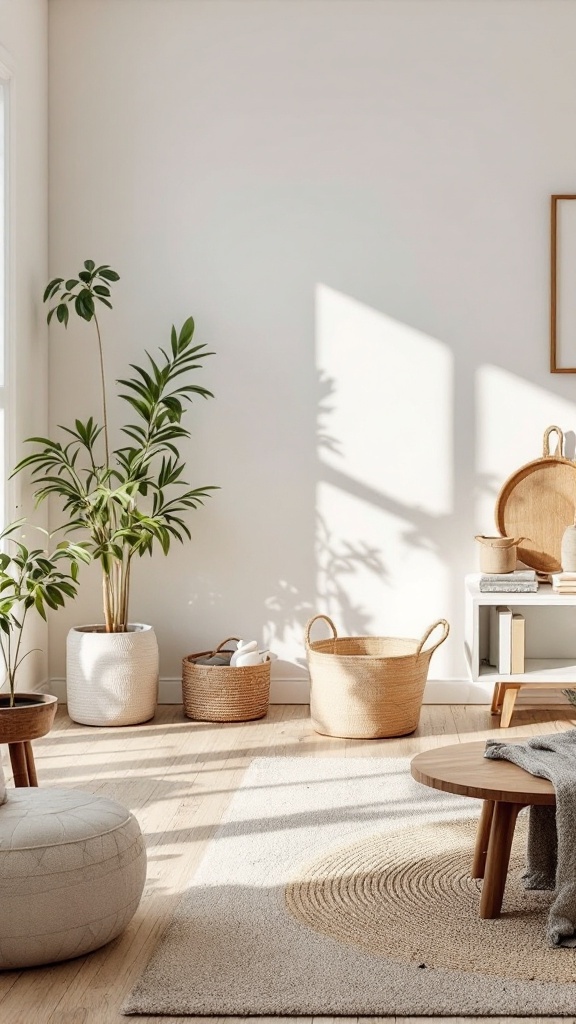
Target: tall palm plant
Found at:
x=132, y=497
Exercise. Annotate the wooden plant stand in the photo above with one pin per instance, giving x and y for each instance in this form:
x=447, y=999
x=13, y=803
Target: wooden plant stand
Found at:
x=30, y=719
x=22, y=761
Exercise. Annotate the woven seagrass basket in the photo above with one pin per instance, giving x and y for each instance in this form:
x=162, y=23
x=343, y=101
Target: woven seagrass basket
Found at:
x=220, y=693
x=367, y=687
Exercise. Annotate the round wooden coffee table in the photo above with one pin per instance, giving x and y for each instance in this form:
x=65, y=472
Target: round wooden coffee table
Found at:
x=505, y=789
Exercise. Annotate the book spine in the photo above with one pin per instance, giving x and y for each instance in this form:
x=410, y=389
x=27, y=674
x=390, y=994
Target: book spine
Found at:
x=504, y=640
x=518, y=644
x=493, y=637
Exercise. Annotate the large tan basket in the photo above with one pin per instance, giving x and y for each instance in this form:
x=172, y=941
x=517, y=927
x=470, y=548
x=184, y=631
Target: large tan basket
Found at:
x=366, y=687
x=219, y=693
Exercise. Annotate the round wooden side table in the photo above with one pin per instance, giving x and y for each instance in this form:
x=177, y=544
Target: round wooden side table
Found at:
x=505, y=789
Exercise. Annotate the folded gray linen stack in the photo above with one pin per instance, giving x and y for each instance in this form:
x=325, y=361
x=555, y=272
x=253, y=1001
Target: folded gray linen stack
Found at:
x=521, y=581
x=551, y=853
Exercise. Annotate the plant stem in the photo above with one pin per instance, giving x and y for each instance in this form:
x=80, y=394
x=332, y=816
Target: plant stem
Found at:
x=125, y=592
x=10, y=673
x=20, y=633
x=107, y=601
x=117, y=588
x=7, y=667
x=103, y=384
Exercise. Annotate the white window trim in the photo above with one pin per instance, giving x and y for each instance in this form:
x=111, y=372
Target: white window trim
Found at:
x=9, y=490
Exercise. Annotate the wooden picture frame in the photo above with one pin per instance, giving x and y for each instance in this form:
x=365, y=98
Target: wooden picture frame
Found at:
x=563, y=295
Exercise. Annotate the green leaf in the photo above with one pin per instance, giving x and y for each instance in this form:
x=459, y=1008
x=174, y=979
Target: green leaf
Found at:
x=109, y=275
x=186, y=332
x=89, y=264
x=84, y=304
x=143, y=408
x=39, y=604
x=52, y=287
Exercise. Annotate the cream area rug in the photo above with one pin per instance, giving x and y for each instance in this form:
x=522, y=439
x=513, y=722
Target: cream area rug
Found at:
x=339, y=886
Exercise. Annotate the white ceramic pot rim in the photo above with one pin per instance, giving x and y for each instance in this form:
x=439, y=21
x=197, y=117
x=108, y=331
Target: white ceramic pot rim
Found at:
x=100, y=629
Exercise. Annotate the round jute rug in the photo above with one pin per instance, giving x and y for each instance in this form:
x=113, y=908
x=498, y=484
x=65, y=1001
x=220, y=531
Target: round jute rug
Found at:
x=409, y=897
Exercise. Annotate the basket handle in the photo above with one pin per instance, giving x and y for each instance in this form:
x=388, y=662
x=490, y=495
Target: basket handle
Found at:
x=489, y=541
x=226, y=641
x=446, y=630
x=311, y=622
x=559, y=453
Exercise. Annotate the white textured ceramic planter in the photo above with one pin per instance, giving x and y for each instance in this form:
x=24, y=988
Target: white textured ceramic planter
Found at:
x=111, y=678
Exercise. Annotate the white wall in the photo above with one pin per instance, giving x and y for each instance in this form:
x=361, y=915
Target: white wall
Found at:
x=24, y=53
x=352, y=200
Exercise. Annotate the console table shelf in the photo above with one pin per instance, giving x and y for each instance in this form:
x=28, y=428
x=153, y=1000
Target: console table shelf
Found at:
x=541, y=670
x=561, y=671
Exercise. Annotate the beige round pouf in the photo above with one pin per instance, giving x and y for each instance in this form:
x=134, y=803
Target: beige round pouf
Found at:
x=72, y=871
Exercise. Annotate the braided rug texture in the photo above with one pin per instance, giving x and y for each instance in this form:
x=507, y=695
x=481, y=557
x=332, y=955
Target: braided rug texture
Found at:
x=340, y=886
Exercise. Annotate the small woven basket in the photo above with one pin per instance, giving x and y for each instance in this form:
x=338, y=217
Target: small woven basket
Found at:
x=366, y=687
x=222, y=693
x=497, y=554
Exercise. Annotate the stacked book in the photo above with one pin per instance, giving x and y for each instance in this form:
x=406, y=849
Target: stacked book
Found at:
x=522, y=581
x=563, y=582
x=507, y=640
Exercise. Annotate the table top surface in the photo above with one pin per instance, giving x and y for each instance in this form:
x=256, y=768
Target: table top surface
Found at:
x=461, y=768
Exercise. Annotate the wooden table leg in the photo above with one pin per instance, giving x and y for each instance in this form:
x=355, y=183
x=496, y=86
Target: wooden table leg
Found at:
x=496, y=699
x=498, y=857
x=32, y=777
x=19, y=764
x=508, y=701
x=482, y=838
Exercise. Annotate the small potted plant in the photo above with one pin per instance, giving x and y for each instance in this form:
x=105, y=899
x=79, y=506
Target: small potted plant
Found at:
x=125, y=501
x=31, y=580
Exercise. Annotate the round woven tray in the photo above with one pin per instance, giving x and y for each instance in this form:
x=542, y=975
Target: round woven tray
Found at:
x=537, y=503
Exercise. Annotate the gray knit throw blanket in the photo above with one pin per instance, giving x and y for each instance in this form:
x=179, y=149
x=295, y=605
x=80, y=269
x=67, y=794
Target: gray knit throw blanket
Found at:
x=551, y=853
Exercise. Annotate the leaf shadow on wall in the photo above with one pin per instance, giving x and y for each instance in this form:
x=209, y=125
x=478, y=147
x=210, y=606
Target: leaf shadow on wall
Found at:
x=384, y=478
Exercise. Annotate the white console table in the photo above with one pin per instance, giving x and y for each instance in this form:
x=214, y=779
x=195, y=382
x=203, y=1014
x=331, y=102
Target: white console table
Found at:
x=544, y=637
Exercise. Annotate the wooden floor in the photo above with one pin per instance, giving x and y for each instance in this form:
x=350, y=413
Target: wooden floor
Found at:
x=178, y=776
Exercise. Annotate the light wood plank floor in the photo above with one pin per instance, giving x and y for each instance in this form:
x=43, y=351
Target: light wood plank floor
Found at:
x=178, y=776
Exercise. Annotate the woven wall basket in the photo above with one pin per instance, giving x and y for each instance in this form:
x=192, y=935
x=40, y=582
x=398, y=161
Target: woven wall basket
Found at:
x=366, y=687
x=220, y=693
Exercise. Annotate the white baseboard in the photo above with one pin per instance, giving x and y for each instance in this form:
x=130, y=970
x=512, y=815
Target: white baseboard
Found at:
x=456, y=691
x=296, y=690
x=282, y=691
x=41, y=687
x=55, y=686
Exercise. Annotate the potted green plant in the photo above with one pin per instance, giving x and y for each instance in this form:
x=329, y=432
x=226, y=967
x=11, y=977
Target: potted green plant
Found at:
x=125, y=501
x=31, y=581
